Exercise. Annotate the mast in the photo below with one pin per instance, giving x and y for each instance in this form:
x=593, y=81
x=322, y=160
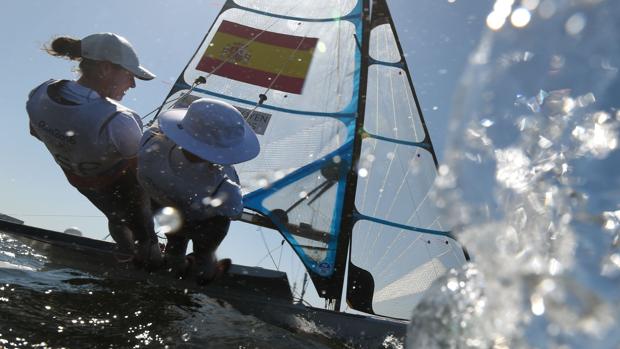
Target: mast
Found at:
x=348, y=217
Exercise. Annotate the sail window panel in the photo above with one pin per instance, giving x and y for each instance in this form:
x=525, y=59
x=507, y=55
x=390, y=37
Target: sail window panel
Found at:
x=403, y=264
x=391, y=110
x=394, y=182
x=247, y=54
x=383, y=44
x=316, y=9
x=306, y=211
x=288, y=141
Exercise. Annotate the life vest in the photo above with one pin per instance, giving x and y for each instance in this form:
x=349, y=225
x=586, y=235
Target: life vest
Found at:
x=76, y=134
x=199, y=189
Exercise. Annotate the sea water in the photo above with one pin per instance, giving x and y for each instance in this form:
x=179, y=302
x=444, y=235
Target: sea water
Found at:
x=44, y=305
x=531, y=184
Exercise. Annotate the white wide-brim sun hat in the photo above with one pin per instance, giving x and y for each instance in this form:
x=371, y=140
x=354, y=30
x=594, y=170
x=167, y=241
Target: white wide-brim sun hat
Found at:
x=212, y=130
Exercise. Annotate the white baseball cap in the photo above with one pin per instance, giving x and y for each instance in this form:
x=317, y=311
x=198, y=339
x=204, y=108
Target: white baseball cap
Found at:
x=212, y=130
x=114, y=49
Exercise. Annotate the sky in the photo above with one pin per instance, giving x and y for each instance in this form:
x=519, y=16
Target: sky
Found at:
x=437, y=37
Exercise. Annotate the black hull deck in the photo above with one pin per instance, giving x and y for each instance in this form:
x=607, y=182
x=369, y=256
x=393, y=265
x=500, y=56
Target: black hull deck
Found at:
x=255, y=291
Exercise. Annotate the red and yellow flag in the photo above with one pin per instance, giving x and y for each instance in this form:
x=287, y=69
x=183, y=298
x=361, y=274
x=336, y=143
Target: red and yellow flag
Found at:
x=259, y=57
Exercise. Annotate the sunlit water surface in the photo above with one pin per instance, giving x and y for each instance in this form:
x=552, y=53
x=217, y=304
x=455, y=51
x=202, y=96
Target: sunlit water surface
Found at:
x=46, y=306
x=532, y=185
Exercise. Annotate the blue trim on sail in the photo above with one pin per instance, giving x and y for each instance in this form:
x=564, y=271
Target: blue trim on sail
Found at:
x=255, y=199
x=399, y=141
x=337, y=115
x=297, y=247
x=300, y=173
x=360, y=216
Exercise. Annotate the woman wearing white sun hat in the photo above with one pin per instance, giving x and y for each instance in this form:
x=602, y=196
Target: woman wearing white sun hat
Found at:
x=186, y=162
x=94, y=138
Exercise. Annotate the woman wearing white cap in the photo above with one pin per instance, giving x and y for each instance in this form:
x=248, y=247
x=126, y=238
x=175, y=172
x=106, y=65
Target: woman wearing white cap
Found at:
x=94, y=138
x=185, y=162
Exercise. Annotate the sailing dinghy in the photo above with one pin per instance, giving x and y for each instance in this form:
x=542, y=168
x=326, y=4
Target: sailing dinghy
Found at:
x=344, y=172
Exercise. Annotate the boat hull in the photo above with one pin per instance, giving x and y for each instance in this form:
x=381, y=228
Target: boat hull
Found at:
x=255, y=291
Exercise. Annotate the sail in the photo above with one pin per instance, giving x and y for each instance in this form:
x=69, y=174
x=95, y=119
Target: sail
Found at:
x=398, y=240
x=293, y=69
x=346, y=162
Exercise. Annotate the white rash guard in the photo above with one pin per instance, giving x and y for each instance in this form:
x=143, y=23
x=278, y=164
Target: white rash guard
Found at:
x=88, y=135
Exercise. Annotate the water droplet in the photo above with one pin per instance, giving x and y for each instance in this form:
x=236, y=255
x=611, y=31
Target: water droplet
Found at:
x=336, y=159
x=73, y=231
x=167, y=220
x=585, y=100
x=185, y=337
x=513, y=169
x=70, y=133
x=262, y=182
x=303, y=194
x=452, y=284
x=544, y=142
x=547, y=9
x=216, y=202
x=520, y=17
x=486, y=123
x=530, y=4
x=362, y=172
x=495, y=21
x=538, y=304
x=575, y=24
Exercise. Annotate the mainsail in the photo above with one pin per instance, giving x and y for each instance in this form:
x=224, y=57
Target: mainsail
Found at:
x=346, y=163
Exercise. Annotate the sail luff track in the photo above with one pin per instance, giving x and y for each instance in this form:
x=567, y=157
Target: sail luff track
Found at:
x=348, y=216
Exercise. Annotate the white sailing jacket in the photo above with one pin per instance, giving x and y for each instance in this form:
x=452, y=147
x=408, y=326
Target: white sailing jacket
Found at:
x=200, y=190
x=77, y=134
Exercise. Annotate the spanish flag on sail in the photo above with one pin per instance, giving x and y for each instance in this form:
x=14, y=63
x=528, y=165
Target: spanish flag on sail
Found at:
x=259, y=57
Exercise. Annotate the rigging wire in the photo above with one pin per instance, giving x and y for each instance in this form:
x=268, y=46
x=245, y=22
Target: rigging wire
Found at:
x=199, y=80
x=281, y=250
x=262, y=235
